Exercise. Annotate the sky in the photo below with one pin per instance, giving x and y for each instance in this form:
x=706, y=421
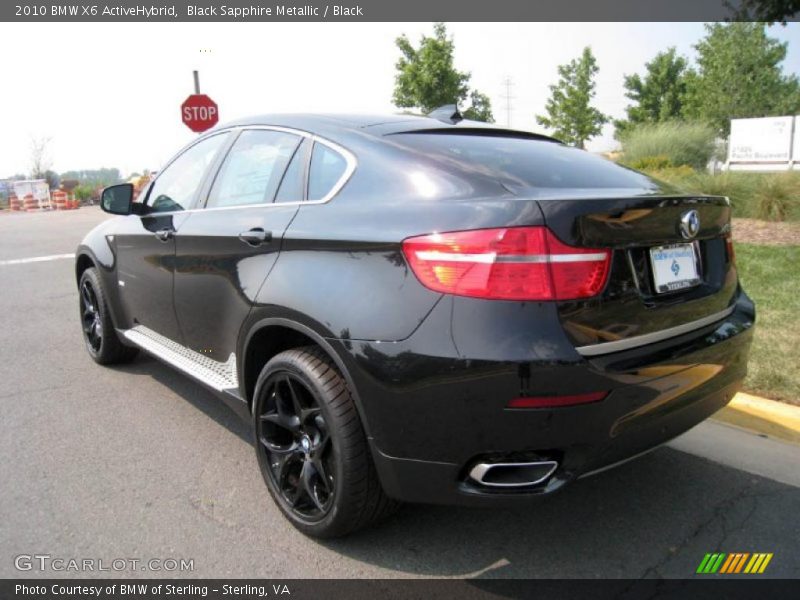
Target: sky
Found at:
x=109, y=95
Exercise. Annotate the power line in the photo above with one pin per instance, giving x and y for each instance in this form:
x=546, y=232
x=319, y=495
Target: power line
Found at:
x=508, y=83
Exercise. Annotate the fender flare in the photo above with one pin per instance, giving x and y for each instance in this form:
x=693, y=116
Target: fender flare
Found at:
x=320, y=340
x=106, y=273
x=83, y=251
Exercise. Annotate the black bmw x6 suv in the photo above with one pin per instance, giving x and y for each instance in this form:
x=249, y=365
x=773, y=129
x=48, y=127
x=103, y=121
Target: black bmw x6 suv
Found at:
x=421, y=309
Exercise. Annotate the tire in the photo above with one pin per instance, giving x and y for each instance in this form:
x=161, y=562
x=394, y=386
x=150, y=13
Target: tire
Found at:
x=326, y=486
x=99, y=333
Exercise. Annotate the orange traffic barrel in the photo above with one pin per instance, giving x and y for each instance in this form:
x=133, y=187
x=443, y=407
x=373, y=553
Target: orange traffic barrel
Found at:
x=60, y=199
x=30, y=203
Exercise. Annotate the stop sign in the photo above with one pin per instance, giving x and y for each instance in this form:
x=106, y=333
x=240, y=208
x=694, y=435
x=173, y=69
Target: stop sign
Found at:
x=199, y=112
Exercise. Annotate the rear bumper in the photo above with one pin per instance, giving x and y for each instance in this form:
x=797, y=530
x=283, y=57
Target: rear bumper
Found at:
x=447, y=483
x=431, y=416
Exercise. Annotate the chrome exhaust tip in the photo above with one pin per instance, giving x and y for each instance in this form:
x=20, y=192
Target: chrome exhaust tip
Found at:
x=512, y=474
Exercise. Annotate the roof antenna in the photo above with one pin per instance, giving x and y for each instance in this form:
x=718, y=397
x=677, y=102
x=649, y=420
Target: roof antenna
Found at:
x=447, y=114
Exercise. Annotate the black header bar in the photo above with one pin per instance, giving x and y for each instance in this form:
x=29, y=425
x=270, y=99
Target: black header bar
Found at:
x=370, y=10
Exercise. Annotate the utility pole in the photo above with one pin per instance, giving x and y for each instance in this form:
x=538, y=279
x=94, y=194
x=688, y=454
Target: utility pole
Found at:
x=196, y=82
x=508, y=83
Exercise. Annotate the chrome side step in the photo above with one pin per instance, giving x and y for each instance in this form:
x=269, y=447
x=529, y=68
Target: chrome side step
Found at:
x=220, y=376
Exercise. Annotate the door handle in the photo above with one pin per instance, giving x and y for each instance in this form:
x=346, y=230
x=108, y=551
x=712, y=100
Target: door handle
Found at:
x=165, y=234
x=256, y=236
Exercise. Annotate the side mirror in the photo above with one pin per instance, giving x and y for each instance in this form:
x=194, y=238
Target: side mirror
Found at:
x=117, y=199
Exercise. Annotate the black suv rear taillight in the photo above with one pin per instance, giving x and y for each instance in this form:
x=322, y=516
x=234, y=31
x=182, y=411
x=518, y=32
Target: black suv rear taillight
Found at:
x=513, y=263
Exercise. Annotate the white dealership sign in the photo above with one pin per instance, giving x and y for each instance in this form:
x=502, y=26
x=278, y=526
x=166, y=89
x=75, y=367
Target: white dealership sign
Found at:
x=768, y=143
x=796, y=142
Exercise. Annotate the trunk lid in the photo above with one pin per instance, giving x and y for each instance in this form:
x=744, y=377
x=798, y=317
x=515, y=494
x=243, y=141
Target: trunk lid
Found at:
x=653, y=291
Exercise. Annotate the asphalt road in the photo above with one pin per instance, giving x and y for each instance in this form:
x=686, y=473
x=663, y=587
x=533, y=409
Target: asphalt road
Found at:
x=140, y=462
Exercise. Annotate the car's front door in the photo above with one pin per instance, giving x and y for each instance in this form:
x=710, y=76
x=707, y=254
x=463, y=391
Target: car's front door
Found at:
x=145, y=244
x=225, y=251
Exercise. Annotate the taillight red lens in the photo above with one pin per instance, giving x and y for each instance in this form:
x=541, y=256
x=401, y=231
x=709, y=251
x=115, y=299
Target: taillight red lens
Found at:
x=514, y=263
x=556, y=401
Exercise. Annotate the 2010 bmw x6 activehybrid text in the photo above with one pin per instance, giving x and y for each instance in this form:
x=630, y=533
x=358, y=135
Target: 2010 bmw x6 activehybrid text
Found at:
x=421, y=309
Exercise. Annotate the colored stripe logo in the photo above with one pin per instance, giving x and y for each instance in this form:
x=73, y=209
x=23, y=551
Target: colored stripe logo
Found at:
x=735, y=562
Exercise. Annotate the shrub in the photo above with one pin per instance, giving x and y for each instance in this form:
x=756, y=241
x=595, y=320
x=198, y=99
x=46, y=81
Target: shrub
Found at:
x=83, y=192
x=651, y=163
x=777, y=197
x=769, y=196
x=677, y=176
x=738, y=187
x=673, y=143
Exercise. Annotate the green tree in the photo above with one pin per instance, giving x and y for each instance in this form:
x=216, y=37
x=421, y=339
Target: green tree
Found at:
x=739, y=75
x=95, y=177
x=83, y=192
x=659, y=95
x=569, y=111
x=52, y=178
x=427, y=79
x=480, y=108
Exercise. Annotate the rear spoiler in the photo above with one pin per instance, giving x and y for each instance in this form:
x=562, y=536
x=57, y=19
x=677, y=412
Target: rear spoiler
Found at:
x=487, y=131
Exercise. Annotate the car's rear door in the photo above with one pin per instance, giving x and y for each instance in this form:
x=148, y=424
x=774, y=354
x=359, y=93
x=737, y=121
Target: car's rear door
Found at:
x=145, y=242
x=225, y=250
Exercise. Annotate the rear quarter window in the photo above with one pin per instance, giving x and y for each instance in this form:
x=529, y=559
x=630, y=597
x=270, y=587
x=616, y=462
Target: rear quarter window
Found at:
x=523, y=162
x=326, y=169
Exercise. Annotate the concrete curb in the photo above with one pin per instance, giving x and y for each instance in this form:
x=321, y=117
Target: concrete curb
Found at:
x=767, y=417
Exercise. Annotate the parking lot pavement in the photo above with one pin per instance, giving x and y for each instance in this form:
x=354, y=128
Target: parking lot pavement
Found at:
x=140, y=462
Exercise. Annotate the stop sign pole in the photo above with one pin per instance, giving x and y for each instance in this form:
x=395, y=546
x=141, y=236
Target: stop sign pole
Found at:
x=198, y=111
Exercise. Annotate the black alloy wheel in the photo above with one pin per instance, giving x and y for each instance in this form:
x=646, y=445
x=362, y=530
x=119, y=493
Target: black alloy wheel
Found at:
x=311, y=446
x=101, y=338
x=295, y=438
x=90, y=317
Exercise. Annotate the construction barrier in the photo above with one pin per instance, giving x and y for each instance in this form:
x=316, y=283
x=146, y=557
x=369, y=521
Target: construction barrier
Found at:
x=60, y=199
x=30, y=203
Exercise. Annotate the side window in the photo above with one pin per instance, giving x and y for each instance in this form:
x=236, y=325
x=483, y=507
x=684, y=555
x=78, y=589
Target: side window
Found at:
x=176, y=186
x=253, y=168
x=327, y=167
x=293, y=182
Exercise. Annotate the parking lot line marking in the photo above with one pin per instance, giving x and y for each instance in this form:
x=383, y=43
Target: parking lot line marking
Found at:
x=22, y=261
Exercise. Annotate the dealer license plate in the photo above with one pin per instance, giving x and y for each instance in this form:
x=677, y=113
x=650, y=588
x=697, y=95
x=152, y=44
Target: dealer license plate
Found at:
x=674, y=267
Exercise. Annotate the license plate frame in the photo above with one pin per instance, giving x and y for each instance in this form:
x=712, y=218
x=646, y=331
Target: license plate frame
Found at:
x=667, y=277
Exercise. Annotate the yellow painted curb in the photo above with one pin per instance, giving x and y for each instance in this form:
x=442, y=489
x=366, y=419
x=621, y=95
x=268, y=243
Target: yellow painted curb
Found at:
x=787, y=414
x=768, y=417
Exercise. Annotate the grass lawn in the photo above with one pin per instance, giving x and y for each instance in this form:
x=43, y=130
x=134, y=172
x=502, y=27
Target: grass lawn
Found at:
x=771, y=277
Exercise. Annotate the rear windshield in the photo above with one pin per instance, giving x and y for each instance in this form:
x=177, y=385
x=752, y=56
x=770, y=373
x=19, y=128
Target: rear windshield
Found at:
x=524, y=162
